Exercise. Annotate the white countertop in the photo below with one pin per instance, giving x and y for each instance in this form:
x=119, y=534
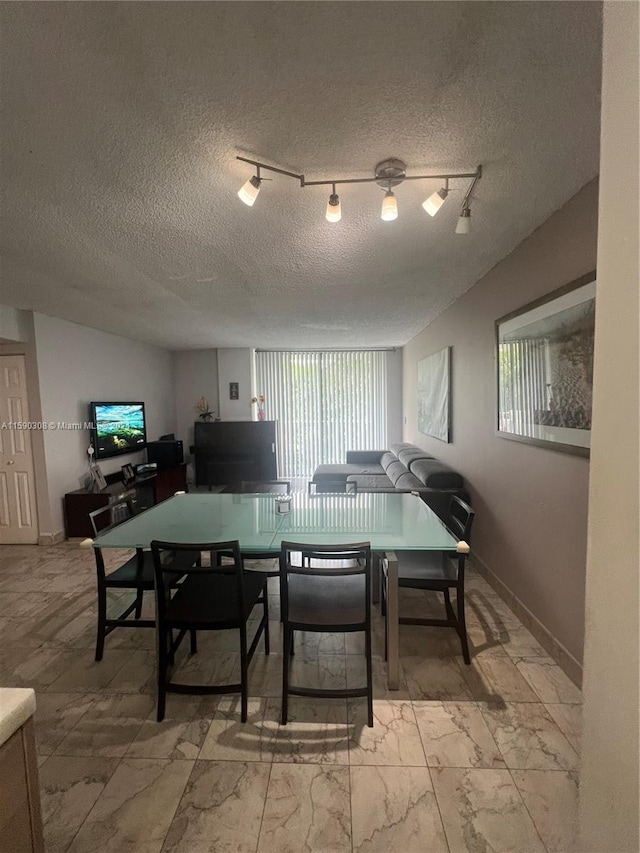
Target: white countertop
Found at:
x=17, y=704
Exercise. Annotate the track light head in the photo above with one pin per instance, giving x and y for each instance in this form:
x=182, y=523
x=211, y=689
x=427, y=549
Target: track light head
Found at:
x=389, y=210
x=464, y=221
x=334, y=213
x=248, y=192
x=435, y=201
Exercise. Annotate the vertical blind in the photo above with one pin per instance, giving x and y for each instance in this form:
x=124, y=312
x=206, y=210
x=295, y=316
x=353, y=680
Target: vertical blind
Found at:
x=524, y=385
x=325, y=403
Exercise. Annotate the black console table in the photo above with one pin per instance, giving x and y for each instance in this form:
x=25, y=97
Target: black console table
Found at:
x=228, y=452
x=143, y=492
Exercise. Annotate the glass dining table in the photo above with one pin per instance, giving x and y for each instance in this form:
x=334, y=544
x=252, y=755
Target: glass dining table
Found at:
x=390, y=522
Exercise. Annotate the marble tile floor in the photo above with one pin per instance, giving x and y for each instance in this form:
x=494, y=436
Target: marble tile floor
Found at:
x=481, y=758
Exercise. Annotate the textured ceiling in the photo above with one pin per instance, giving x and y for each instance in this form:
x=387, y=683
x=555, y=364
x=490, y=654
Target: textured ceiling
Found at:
x=122, y=122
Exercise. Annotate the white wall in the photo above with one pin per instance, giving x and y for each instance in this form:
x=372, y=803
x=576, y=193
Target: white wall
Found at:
x=394, y=396
x=77, y=365
x=14, y=324
x=609, y=790
x=236, y=365
x=196, y=375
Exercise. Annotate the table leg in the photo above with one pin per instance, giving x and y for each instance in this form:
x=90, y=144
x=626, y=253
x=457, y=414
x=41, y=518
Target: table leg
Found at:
x=392, y=621
x=375, y=577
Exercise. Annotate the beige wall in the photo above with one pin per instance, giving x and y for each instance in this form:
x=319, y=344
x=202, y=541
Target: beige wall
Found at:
x=531, y=502
x=77, y=364
x=609, y=787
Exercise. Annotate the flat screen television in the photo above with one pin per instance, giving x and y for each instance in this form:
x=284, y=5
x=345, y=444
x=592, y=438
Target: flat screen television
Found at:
x=117, y=428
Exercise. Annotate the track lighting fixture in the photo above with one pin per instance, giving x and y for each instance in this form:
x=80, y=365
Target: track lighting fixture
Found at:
x=387, y=174
x=464, y=221
x=333, y=214
x=435, y=201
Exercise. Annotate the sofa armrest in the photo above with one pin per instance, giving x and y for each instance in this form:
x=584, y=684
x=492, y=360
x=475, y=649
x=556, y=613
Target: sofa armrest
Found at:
x=364, y=457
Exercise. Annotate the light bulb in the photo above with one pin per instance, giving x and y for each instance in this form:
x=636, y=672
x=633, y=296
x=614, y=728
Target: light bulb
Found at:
x=435, y=201
x=389, y=210
x=333, y=214
x=248, y=192
x=464, y=221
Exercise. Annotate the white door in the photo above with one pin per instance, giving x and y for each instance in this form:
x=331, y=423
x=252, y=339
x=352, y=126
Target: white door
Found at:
x=18, y=519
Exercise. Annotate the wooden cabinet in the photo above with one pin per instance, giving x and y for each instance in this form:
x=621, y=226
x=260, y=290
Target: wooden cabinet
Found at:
x=144, y=492
x=20, y=815
x=227, y=452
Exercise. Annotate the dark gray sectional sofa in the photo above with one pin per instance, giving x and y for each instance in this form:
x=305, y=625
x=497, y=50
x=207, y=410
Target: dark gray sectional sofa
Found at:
x=403, y=467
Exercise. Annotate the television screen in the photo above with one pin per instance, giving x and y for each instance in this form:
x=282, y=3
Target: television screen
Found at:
x=118, y=428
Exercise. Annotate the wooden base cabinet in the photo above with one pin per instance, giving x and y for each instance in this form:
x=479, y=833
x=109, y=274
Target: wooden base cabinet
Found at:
x=20, y=814
x=143, y=493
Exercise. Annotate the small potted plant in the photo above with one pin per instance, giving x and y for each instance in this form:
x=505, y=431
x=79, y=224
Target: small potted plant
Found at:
x=262, y=415
x=203, y=407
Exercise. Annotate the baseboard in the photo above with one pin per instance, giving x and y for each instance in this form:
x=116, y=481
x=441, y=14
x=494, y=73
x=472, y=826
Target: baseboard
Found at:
x=554, y=648
x=51, y=538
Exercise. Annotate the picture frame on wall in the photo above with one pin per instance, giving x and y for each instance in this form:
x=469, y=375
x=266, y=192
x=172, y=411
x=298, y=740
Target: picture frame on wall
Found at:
x=434, y=398
x=544, y=359
x=234, y=391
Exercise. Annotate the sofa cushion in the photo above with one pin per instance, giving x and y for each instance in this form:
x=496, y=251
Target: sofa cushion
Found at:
x=410, y=454
x=394, y=470
x=387, y=458
x=338, y=473
x=364, y=457
x=371, y=482
x=407, y=481
x=400, y=446
x=436, y=475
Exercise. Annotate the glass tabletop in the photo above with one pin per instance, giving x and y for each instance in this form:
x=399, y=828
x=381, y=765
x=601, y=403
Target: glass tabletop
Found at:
x=389, y=521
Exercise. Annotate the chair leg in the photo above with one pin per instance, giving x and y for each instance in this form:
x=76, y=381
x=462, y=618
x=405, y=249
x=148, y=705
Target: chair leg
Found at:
x=162, y=676
x=194, y=642
x=265, y=604
x=102, y=618
x=367, y=648
x=244, y=674
x=462, y=627
x=286, y=652
x=376, y=572
x=383, y=593
x=139, y=600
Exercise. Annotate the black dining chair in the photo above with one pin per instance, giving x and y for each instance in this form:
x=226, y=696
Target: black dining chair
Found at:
x=134, y=574
x=216, y=597
x=282, y=487
x=438, y=571
x=325, y=588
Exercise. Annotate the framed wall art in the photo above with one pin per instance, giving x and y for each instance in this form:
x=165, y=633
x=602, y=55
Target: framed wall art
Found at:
x=545, y=369
x=434, y=399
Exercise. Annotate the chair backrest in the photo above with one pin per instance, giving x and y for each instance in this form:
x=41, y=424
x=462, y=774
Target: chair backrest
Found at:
x=460, y=518
x=110, y=516
x=170, y=569
x=318, y=562
x=265, y=487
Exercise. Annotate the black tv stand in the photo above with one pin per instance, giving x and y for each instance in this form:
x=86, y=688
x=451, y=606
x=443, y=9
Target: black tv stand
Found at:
x=144, y=491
